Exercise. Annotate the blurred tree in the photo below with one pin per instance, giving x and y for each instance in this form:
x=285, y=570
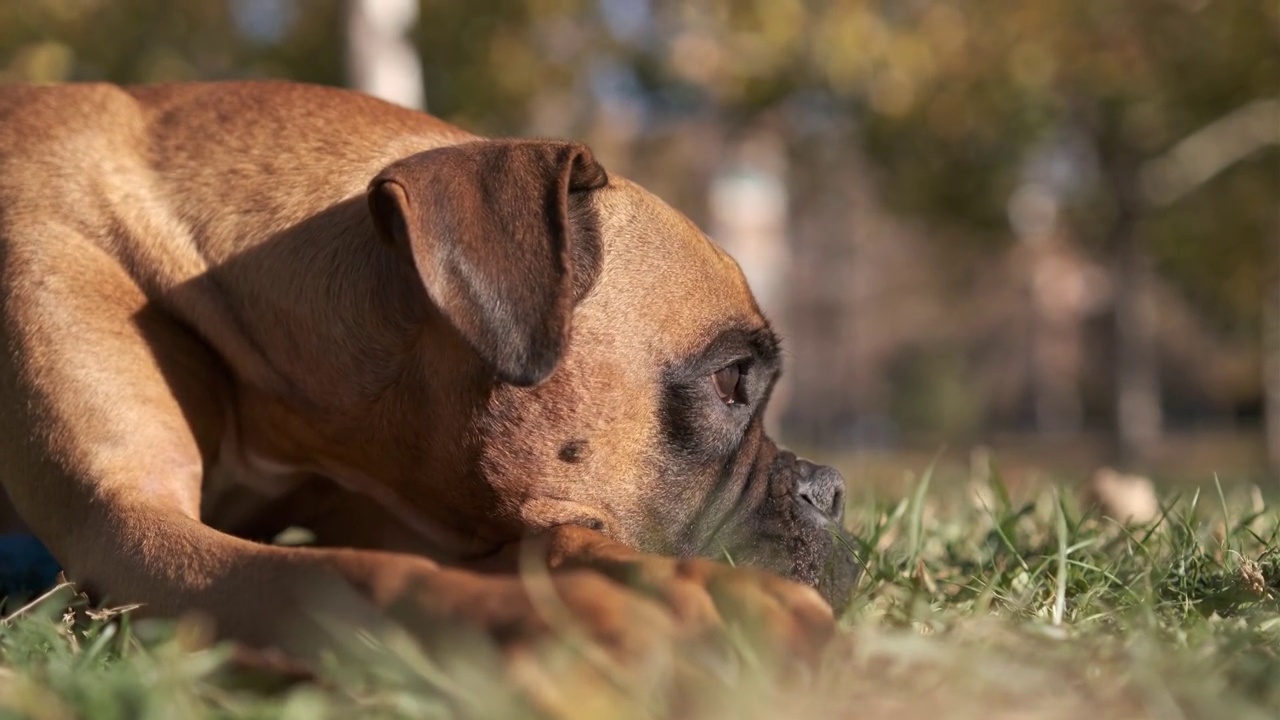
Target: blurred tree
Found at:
x=962, y=93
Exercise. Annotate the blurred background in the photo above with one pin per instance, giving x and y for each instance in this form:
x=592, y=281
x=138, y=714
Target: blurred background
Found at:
x=1045, y=231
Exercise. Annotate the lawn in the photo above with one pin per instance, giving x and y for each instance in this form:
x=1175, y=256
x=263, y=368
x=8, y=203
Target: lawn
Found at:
x=977, y=603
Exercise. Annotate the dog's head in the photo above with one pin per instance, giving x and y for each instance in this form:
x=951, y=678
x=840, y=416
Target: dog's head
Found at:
x=619, y=362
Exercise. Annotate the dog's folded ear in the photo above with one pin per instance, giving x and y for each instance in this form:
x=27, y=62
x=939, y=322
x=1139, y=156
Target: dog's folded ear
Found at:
x=505, y=240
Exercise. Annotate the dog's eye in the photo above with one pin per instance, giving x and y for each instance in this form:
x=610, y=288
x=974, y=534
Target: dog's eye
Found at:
x=726, y=383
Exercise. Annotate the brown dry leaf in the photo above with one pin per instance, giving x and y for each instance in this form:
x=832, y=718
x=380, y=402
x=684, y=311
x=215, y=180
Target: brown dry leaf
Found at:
x=1252, y=580
x=1129, y=499
x=925, y=578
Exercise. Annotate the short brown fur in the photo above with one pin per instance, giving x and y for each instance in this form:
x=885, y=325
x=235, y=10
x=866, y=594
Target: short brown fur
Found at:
x=227, y=308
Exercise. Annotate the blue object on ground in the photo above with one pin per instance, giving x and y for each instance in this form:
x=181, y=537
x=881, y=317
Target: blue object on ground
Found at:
x=26, y=567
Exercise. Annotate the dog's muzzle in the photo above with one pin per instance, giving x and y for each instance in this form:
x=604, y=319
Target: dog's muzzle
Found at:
x=795, y=528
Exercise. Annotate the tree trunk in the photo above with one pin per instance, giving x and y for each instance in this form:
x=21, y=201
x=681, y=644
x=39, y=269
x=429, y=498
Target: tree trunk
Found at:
x=1056, y=336
x=381, y=60
x=1271, y=356
x=1138, y=417
x=1139, y=420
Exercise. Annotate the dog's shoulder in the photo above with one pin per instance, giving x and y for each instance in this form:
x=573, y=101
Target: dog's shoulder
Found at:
x=241, y=118
x=32, y=116
x=286, y=118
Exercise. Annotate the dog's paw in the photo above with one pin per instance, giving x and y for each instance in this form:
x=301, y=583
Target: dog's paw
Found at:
x=707, y=597
x=521, y=612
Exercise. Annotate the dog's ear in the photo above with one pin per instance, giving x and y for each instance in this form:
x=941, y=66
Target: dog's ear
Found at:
x=504, y=238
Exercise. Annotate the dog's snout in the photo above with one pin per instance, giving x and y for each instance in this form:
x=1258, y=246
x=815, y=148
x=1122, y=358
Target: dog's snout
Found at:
x=822, y=487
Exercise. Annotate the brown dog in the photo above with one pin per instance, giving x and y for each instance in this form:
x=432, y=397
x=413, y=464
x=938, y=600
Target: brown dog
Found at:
x=229, y=308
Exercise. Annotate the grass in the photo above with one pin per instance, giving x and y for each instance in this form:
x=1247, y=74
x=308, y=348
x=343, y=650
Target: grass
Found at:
x=977, y=603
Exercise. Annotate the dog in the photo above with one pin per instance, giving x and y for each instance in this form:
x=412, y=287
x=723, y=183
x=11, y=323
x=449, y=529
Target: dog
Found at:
x=231, y=308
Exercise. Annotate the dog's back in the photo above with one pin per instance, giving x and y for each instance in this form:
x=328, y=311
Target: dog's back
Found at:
x=223, y=162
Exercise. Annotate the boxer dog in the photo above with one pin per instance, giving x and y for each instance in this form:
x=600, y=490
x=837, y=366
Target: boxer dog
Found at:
x=230, y=308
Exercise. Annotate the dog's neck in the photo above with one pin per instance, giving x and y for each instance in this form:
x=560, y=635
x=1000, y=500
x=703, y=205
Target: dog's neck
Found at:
x=343, y=365
x=322, y=326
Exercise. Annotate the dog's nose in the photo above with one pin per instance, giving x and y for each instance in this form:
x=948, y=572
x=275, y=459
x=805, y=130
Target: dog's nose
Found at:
x=822, y=487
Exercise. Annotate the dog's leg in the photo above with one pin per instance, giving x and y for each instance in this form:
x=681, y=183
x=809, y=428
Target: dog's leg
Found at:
x=111, y=410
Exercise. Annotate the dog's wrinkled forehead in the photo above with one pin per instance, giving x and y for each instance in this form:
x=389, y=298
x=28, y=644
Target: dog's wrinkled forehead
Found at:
x=678, y=282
